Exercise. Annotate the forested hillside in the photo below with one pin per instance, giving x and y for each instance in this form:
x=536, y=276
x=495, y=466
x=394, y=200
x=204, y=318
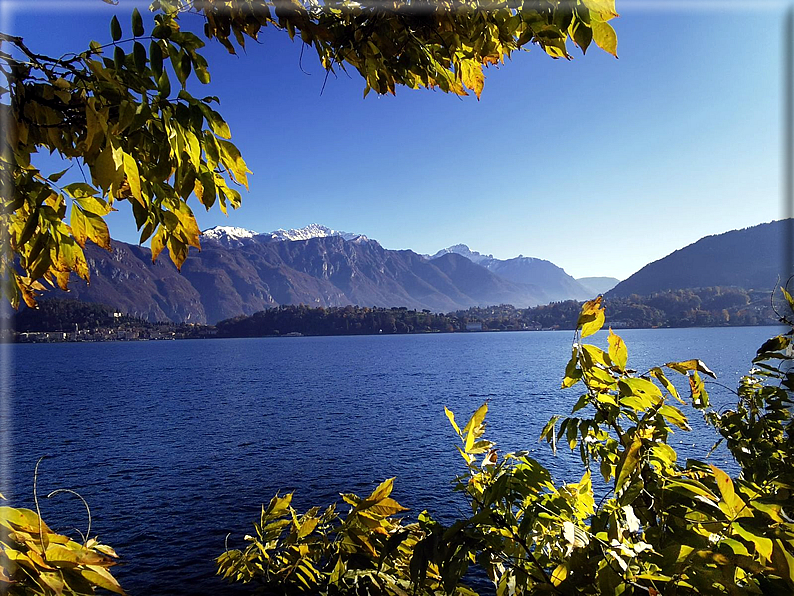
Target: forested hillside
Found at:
x=751, y=258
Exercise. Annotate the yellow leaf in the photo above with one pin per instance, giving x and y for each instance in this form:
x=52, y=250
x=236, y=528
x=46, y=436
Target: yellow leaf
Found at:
x=308, y=527
x=675, y=416
x=657, y=372
x=763, y=545
x=687, y=365
x=77, y=555
x=177, y=250
x=233, y=160
x=101, y=577
x=387, y=507
x=572, y=373
x=602, y=10
x=106, y=171
x=188, y=223
x=618, y=353
x=451, y=418
x=94, y=205
x=383, y=490
x=734, y=504
x=591, y=319
x=77, y=223
x=559, y=574
x=648, y=393
x=97, y=230
x=472, y=76
x=133, y=178
x=474, y=427
x=158, y=243
x=605, y=37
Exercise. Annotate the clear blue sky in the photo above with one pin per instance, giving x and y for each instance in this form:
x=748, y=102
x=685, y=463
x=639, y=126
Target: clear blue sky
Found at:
x=597, y=164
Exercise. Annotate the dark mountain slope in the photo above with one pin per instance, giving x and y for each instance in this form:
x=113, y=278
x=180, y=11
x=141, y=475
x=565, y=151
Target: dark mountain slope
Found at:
x=127, y=280
x=751, y=258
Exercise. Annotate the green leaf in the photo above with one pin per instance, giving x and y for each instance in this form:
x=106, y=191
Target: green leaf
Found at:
x=115, y=29
x=629, y=463
x=164, y=84
x=763, y=545
x=137, y=23
x=139, y=56
x=582, y=35
x=156, y=58
x=660, y=376
x=200, y=68
x=79, y=190
x=118, y=58
x=675, y=416
x=57, y=176
x=775, y=344
x=216, y=122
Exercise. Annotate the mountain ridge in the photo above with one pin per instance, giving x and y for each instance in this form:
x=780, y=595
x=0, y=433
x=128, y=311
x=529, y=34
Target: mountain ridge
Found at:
x=556, y=284
x=750, y=258
x=241, y=275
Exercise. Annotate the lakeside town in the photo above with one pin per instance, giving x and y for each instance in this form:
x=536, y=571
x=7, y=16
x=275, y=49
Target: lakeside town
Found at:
x=74, y=321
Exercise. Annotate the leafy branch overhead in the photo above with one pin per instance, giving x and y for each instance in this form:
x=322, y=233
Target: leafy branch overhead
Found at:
x=121, y=110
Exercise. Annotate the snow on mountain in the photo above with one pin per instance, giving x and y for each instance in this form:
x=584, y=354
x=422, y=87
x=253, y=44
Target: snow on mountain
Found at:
x=310, y=231
x=229, y=235
x=233, y=236
x=464, y=251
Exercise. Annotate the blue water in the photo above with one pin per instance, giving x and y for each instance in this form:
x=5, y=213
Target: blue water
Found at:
x=176, y=444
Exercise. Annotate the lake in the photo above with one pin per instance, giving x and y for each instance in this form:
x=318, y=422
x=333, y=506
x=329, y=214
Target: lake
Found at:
x=176, y=444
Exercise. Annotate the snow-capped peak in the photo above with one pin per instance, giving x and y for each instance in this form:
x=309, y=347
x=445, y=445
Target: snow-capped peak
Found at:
x=464, y=251
x=229, y=235
x=233, y=236
x=311, y=231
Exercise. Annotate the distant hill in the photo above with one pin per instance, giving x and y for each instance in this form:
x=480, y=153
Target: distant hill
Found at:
x=598, y=285
x=544, y=275
x=751, y=258
x=487, y=287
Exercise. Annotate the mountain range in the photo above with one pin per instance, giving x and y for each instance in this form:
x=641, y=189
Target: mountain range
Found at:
x=240, y=272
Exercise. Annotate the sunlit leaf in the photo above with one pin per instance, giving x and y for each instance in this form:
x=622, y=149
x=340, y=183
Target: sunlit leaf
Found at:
x=591, y=319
